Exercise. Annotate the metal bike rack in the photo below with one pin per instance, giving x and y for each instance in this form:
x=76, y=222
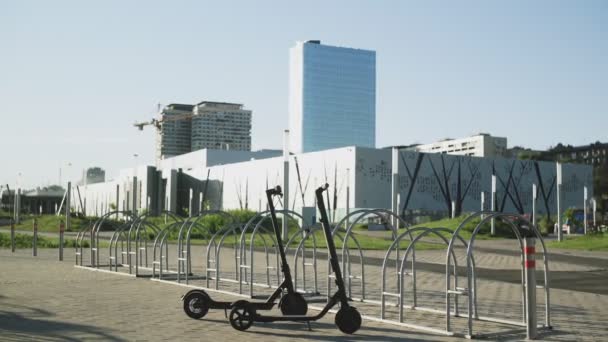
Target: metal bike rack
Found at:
x=402, y=272
x=487, y=216
x=134, y=236
x=92, y=231
x=95, y=249
x=299, y=254
x=185, y=263
x=160, y=242
x=358, y=215
x=245, y=272
x=79, y=245
x=212, y=270
x=119, y=235
x=398, y=268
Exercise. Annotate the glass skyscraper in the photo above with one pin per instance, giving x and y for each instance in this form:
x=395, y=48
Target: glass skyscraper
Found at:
x=332, y=97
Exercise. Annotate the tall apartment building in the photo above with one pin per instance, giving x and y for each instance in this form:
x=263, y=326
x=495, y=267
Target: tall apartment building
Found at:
x=332, y=97
x=221, y=126
x=173, y=136
x=480, y=145
x=184, y=128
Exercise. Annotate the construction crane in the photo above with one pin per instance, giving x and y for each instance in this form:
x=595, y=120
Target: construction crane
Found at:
x=163, y=118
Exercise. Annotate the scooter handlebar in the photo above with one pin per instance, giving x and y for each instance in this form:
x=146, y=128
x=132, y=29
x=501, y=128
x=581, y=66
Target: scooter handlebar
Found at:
x=276, y=191
x=322, y=188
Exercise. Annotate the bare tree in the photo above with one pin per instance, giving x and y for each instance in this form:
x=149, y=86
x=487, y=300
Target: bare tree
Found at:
x=443, y=180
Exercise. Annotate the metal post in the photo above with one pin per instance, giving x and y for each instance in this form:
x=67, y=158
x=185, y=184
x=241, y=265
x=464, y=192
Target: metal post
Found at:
x=594, y=210
x=68, y=222
x=394, y=206
x=493, y=221
x=18, y=207
x=12, y=235
x=534, y=196
x=285, y=183
x=530, y=266
x=483, y=202
x=134, y=195
x=585, y=209
x=395, y=184
x=35, y=240
x=61, y=230
x=558, y=195
x=453, y=209
x=190, y=207
x=117, y=199
x=347, y=198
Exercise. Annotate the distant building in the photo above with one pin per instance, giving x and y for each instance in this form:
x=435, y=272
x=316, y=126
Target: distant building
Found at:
x=332, y=97
x=183, y=128
x=595, y=154
x=480, y=145
x=173, y=136
x=93, y=175
x=44, y=200
x=219, y=125
x=519, y=152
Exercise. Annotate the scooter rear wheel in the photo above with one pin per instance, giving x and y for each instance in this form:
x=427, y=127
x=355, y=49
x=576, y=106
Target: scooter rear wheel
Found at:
x=196, y=304
x=241, y=315
x=348, y=319
x=293, y=304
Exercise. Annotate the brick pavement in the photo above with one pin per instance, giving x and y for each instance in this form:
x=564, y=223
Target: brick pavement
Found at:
x=43, y=299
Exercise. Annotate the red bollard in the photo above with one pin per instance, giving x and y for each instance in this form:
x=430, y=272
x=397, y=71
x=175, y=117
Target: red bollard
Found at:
x=530, y=289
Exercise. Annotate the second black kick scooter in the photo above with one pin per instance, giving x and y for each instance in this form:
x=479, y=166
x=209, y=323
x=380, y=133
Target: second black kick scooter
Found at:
x=348, y=319
x=197, y=302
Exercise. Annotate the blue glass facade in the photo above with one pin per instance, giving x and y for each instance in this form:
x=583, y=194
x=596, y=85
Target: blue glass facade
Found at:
x=337, y=105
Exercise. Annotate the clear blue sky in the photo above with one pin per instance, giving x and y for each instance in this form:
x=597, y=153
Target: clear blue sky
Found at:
x=75, y=75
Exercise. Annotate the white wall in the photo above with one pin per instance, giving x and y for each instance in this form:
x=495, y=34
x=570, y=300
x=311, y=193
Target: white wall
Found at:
x=241, y=184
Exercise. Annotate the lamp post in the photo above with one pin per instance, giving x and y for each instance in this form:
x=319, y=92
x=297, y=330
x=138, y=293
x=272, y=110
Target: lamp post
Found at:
x=395, y=184
x=17, y=206
x=285, y=182
x=534, y=197
x=134, y=190
x=585, y=201
x=494, y=205
x=558, y=175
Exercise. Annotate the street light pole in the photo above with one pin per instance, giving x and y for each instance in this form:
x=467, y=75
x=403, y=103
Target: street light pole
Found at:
x=558, y=175
x=285, y=183
x=134, y=191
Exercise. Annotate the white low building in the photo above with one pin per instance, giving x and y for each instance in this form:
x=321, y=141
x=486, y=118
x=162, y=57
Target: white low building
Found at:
x=426, y=182
x=480, y=145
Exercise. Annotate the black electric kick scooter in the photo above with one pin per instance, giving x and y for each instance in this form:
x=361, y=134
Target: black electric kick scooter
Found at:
x=197, y=302
x=348, y=319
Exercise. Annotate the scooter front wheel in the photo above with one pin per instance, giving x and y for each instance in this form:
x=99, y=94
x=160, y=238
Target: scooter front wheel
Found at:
x=241, y=315
x=196, y=304
x=293, y=304
x=348, y=319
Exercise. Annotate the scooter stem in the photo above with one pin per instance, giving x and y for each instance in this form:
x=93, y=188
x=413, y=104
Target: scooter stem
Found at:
x=333, y=257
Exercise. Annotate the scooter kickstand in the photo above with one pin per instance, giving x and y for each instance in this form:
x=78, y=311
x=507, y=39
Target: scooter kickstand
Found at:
x=308, y=324
x=226, y=312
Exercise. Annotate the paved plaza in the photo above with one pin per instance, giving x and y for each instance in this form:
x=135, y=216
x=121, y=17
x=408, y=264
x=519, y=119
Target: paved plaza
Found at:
x=44, y=299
